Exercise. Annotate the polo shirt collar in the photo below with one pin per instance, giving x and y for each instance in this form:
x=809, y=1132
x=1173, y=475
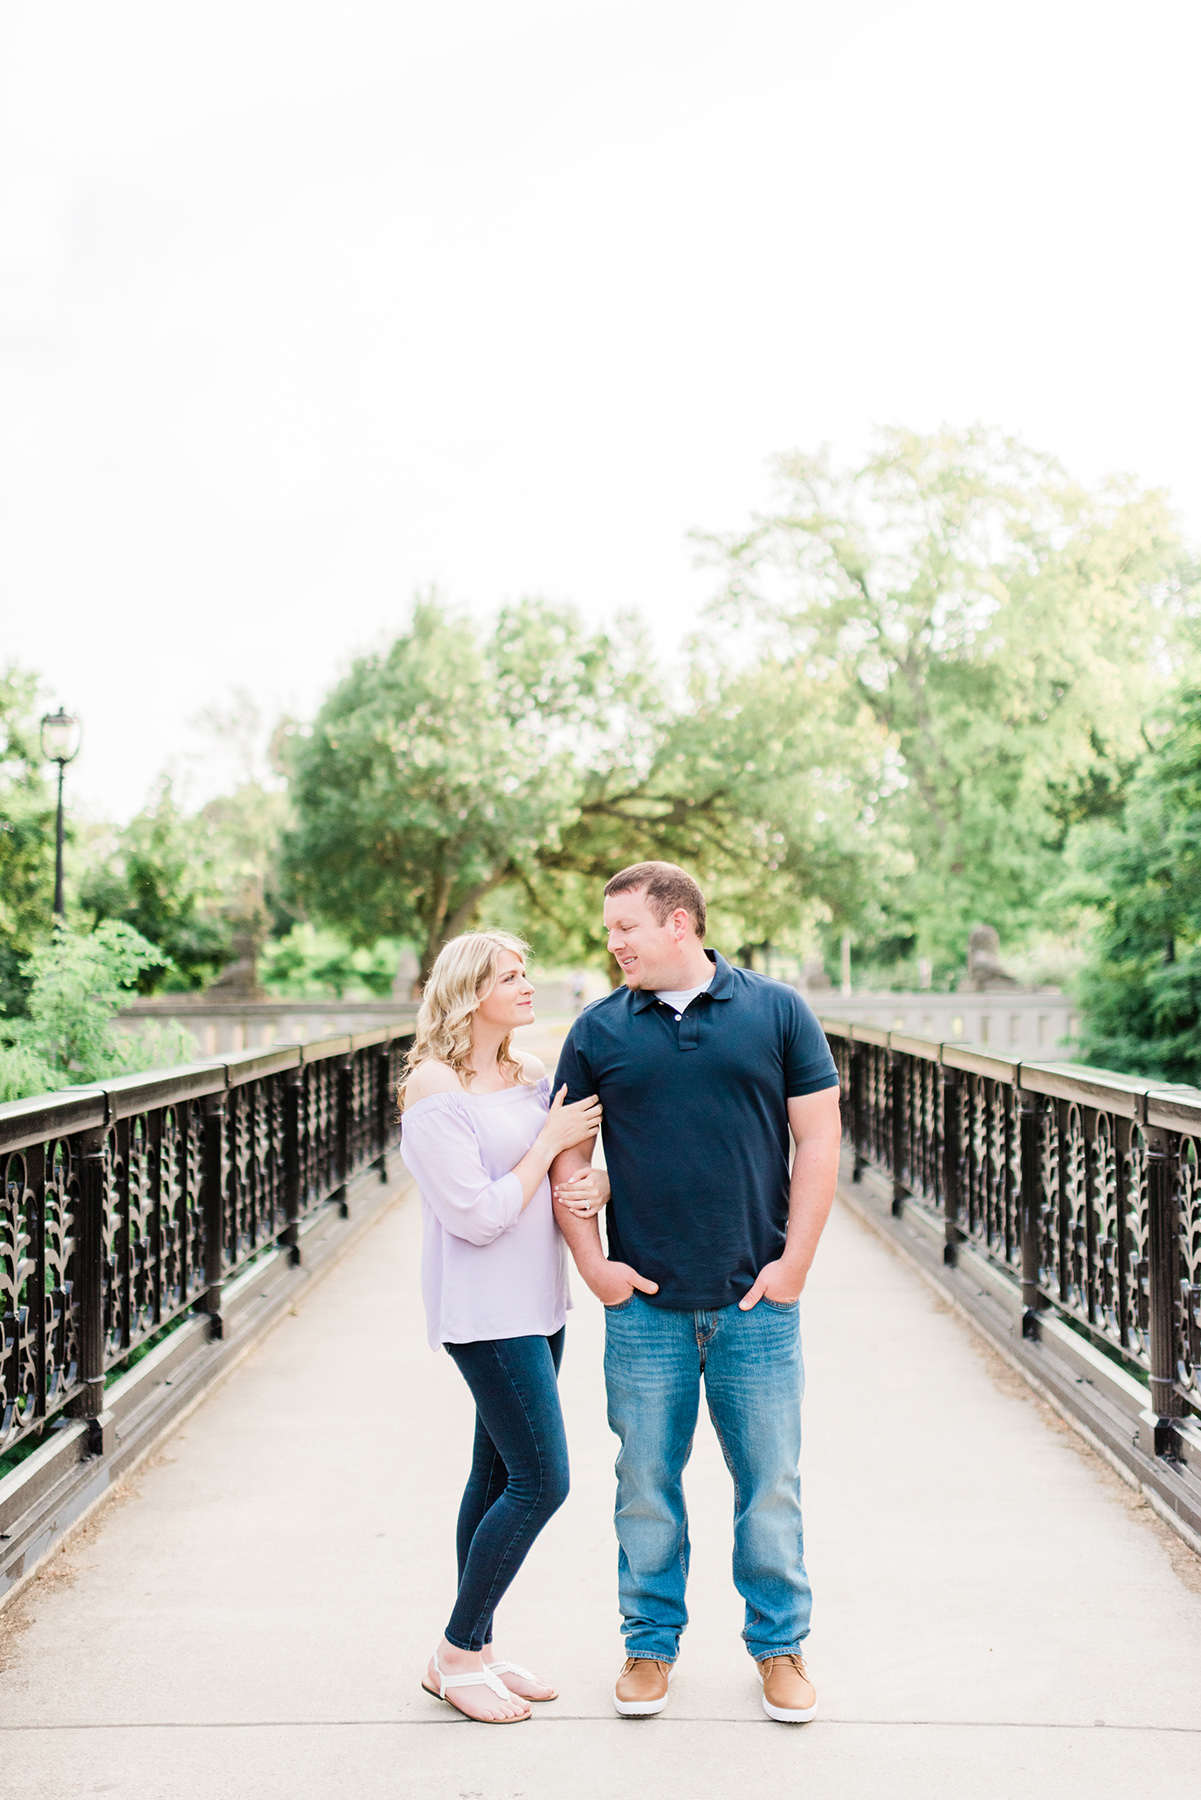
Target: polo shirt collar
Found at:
x=720, y=988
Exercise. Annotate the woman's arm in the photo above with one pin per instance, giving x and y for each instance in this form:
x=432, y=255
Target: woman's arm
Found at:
x=441, y=1151
x=565, y=1127
x=584, y=1193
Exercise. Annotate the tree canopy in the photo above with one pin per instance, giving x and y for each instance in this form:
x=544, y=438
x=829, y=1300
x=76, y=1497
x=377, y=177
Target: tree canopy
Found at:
x=447, y=765
x=1141, y=991
x=538, y=759
x=1003, y=627
x=926, y=697
x=26, y=835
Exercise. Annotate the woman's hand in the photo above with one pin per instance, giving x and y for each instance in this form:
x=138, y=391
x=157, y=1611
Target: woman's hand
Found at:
x=584, y=1193
x=567, y=1126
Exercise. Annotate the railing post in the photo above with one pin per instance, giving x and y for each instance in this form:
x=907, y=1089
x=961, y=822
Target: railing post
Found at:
x=1030, y=1205
x=1166, y=1406
x=345, y=1104
x=293, y=1104
x=89, y=1289
x=896, y=1113
x=214, y=1210
x=384, y=1102
x=952, y=1161
x=858, y=1109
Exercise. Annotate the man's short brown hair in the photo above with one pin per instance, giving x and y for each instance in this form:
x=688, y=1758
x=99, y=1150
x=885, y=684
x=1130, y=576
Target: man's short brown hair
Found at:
x=667, y=887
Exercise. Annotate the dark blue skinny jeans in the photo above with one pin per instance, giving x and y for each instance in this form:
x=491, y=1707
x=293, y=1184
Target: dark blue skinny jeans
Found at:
x=518, y=1474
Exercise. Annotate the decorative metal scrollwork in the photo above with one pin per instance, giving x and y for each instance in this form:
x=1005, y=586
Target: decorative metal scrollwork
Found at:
x=149, y=1260
x=1186, y=1321
x=1134, y=1287
x=991, y=1173
x=38, y=1327
x=1105, y=1244
x=920, y=1098
x=1049, y=1247
x=59, y=1184
x=19, y=1234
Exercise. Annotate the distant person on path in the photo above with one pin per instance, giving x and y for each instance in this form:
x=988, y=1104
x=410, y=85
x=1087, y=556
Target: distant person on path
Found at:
x=703, y=1071
x=479, y=1135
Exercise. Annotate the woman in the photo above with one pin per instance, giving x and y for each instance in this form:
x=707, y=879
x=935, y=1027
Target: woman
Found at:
x=479, y=1135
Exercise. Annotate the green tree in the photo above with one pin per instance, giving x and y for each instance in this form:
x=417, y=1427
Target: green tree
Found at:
x=187, y=881
x=1001, y=626
x=445, y=767
x=308, y=962
x=767, y=785
x=26, y=836
x=160, y=879
x=1141, y=991
x=78, y=980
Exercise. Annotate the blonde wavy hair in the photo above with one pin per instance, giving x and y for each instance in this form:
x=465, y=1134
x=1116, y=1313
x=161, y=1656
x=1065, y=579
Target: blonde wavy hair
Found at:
x=464, y=972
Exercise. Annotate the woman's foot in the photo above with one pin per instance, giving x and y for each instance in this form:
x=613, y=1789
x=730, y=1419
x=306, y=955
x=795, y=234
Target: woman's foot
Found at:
x=476, y=1699
x=518, y=1680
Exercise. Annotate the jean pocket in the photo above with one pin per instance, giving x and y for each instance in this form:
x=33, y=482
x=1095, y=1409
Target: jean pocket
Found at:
x=620, y=1305
x=779, y=1305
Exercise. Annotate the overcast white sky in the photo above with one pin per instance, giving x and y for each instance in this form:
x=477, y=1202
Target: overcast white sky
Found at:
x=305, y=306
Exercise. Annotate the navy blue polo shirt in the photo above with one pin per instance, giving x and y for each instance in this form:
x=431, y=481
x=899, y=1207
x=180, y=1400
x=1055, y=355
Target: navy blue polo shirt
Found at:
x=696, y=1126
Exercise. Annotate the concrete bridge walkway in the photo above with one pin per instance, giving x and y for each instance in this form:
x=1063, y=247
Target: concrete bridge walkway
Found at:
x=997, y=1615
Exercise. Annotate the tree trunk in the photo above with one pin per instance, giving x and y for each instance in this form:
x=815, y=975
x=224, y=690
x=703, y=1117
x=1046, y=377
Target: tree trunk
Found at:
x=447, y=924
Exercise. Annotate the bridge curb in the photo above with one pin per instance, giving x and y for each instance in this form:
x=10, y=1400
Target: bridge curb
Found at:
x=49, y=1497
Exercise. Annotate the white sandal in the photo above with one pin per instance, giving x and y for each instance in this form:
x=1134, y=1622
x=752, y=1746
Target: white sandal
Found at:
x=475, y=1678
x=512, y=1668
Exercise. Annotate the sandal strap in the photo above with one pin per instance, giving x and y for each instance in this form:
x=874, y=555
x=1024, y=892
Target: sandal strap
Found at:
x=472, y=1678
x=512, y=1668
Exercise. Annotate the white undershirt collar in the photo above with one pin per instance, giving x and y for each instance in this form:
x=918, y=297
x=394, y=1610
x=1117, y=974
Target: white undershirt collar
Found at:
x=681, y=998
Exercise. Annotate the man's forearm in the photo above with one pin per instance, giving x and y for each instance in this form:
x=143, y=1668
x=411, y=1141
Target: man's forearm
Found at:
x=582, y=1235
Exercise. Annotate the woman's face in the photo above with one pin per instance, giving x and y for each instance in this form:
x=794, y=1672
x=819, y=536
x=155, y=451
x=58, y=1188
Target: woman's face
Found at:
x=510, y=1002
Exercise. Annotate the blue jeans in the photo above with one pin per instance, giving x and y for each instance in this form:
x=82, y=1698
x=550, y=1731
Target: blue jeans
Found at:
x=518, y=1471
x=655, y=1358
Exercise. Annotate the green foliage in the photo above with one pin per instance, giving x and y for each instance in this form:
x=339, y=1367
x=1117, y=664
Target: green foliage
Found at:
x=78, y=981
x=926, y=684
x=160, y=880
x=767, y=786
x=1141, y=993
x=444, y=768
x=26, y=835
x=308, y=962
x=1000, y=626
x=462, y=777
x=186, y=882
x=23, y=1073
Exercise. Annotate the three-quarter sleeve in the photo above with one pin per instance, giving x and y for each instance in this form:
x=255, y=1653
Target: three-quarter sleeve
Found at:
x=440, y=1151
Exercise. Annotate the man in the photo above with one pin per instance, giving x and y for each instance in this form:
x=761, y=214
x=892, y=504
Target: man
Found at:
x=703, y=1071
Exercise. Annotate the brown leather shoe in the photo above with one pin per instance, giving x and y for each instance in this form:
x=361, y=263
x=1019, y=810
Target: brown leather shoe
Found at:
x=788, y=1693
x=642, y=1687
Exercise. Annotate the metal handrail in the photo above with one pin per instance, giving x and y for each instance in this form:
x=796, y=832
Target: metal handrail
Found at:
x=1083, y=1184
x=133, y=1202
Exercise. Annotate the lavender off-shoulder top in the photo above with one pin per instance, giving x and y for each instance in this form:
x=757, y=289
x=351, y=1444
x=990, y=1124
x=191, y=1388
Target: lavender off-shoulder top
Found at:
x=489, y=1269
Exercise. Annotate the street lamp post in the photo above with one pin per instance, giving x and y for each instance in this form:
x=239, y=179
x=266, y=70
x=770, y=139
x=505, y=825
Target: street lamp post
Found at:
x=60, y=744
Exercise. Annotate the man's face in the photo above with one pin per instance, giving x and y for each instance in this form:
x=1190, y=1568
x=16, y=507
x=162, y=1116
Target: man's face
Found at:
x=647, y=953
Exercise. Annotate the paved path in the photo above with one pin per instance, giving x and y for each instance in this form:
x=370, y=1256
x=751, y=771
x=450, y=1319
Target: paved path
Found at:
x=997, y=1616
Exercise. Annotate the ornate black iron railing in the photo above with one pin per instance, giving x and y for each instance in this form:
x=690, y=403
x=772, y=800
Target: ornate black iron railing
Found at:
x=127, y=1206
x=1085, y=1186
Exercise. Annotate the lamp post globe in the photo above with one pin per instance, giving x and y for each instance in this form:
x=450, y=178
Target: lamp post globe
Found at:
x=60, y=744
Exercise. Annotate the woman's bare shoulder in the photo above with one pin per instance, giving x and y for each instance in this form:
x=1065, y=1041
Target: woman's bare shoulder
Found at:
x=532, y=1067
x=431, y=1078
